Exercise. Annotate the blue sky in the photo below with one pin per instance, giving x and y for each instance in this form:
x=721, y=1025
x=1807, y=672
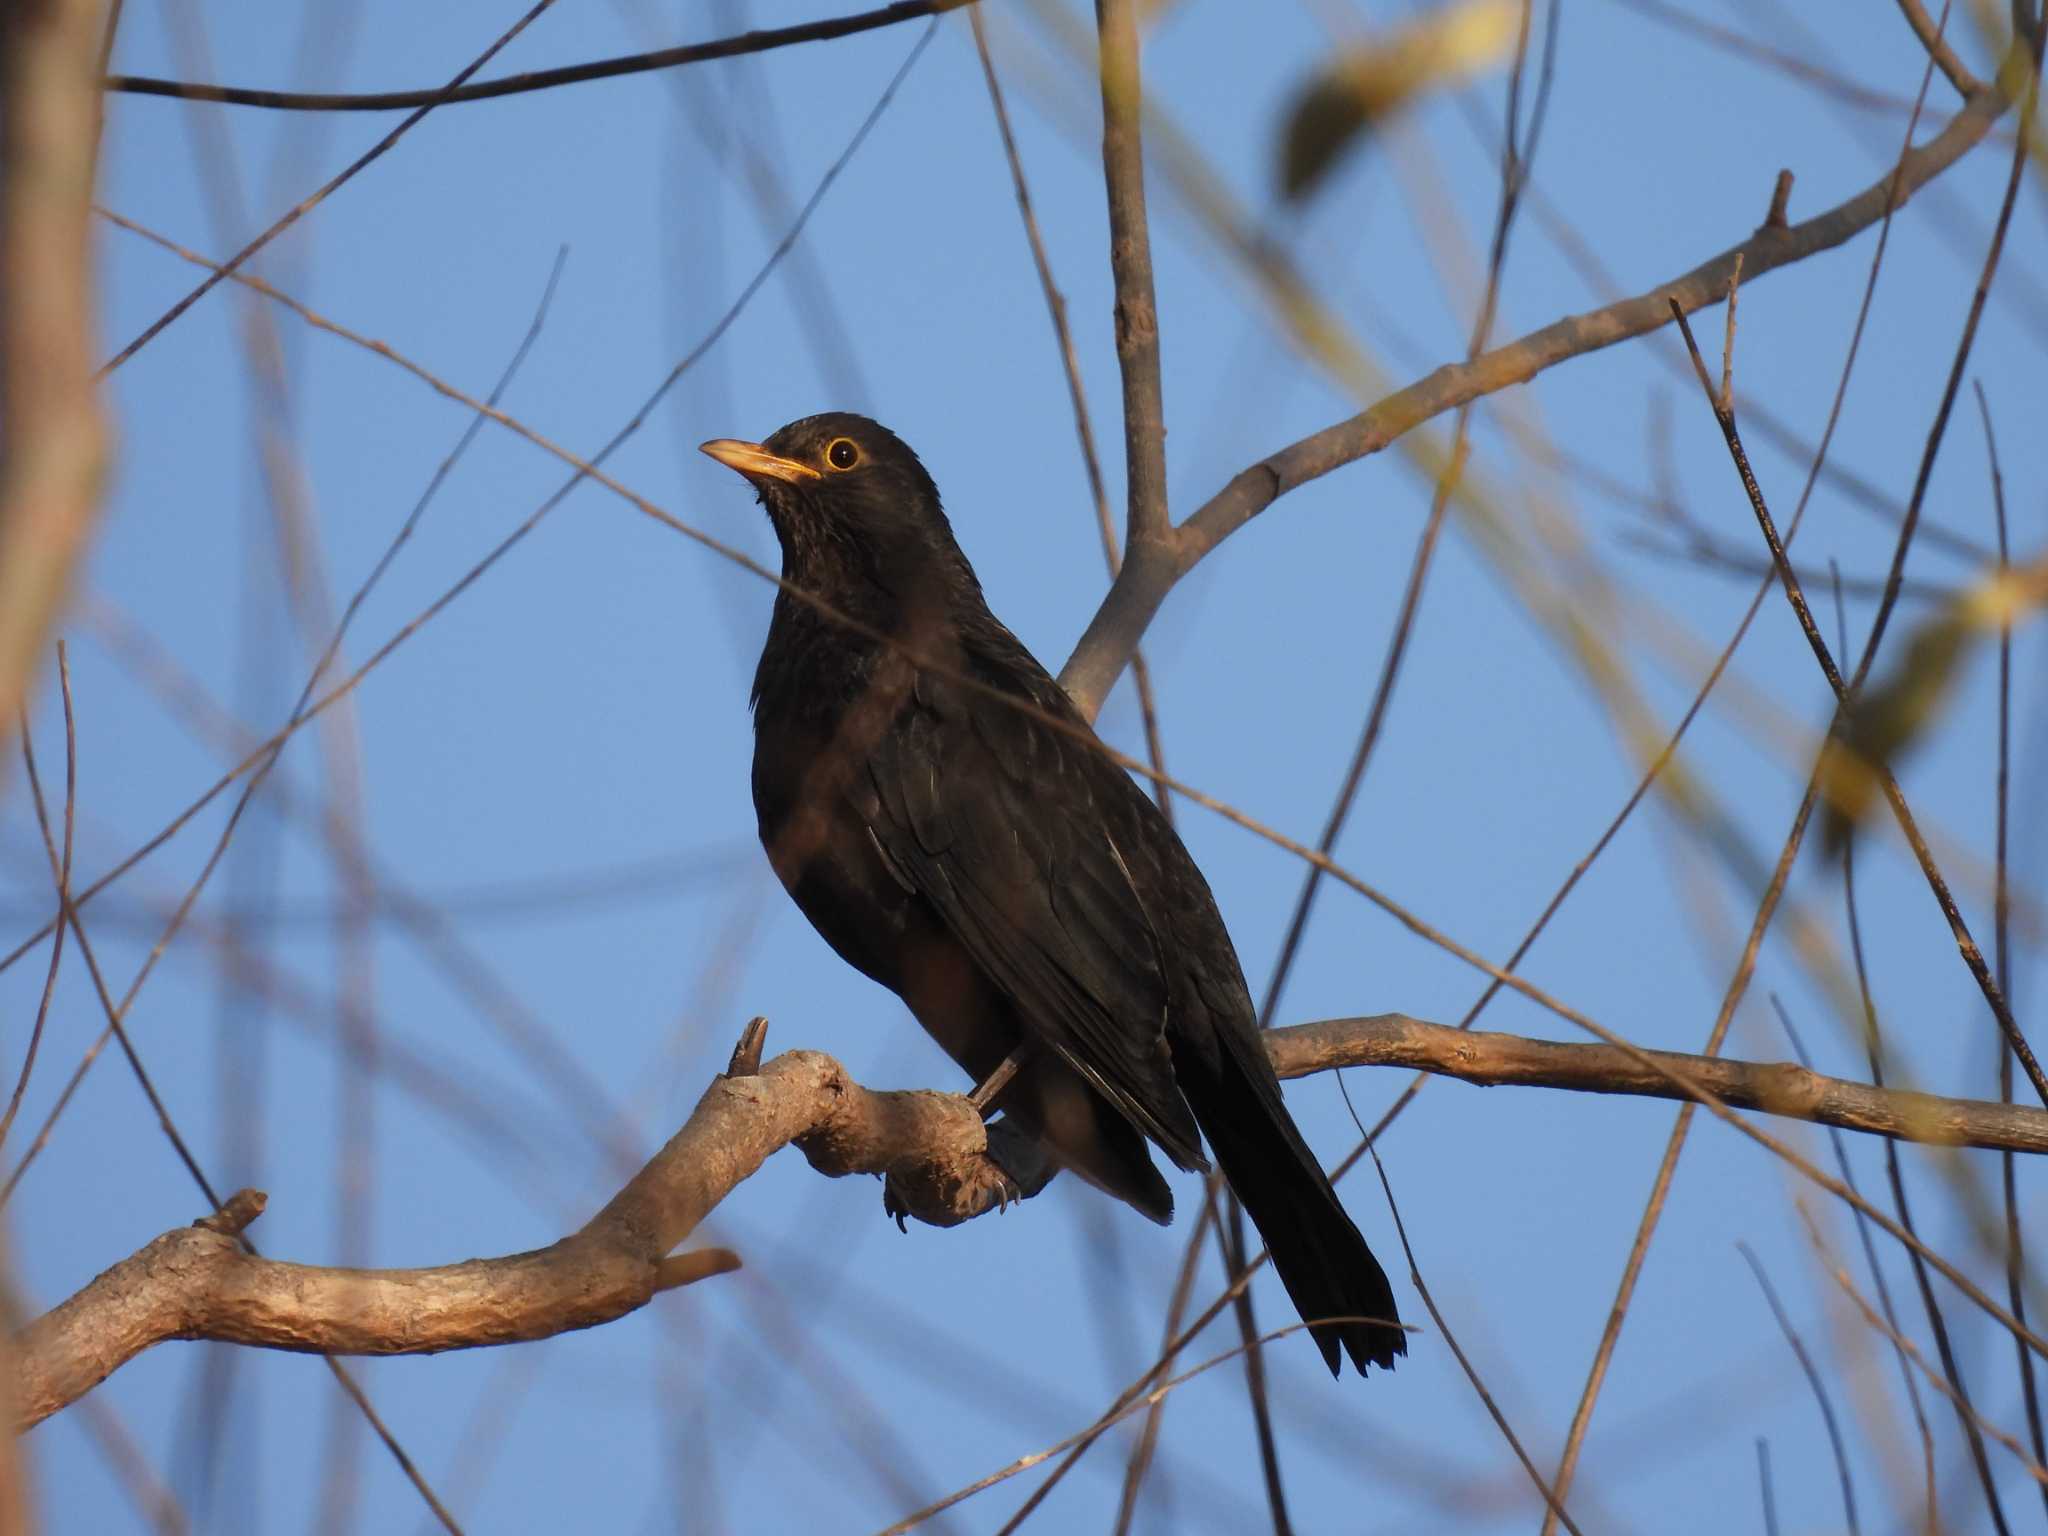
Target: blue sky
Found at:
x=556, y=764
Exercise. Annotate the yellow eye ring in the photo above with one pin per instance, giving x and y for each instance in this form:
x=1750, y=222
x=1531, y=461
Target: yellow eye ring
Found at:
x=842, y=453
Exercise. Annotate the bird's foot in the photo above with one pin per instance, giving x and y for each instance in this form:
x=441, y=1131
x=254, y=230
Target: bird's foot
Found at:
x=1014, y=1167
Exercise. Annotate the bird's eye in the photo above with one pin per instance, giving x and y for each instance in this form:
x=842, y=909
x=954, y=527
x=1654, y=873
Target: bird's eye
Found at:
x=842, y=454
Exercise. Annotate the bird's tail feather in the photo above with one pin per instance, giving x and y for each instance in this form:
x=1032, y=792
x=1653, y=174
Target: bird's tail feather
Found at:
x=1317, y=1250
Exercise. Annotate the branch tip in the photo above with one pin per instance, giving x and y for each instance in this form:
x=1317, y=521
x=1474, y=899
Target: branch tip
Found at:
x=683, y=1269
x=746, y=1056
x=1781, y=198
x=233, y=1218
x=1728, y=341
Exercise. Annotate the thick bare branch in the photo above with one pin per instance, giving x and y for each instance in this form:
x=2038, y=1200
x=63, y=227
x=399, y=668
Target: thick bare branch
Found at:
x=201, y=1282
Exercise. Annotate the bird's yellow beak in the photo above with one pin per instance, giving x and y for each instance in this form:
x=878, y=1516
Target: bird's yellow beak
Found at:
x=755, y=462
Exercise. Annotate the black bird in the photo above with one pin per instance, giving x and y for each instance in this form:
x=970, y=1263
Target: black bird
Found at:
x=1008, y=881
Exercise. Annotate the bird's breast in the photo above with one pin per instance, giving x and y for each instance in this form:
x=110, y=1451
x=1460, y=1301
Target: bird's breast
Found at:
x=813, y=804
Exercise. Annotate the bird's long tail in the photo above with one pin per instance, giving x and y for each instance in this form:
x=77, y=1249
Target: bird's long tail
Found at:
x=1317, y=1250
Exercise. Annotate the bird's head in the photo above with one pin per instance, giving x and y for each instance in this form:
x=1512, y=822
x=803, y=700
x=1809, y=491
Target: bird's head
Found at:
x=850, y=503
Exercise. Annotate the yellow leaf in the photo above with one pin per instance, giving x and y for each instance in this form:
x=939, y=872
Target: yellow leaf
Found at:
x=1362, y=86
x=1897, y=713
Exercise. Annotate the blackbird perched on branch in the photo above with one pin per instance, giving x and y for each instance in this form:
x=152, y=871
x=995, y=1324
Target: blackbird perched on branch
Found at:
x=943, y=815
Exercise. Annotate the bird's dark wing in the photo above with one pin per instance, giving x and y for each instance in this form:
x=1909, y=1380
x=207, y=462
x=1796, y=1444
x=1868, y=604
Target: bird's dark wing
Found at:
x=1009, y=830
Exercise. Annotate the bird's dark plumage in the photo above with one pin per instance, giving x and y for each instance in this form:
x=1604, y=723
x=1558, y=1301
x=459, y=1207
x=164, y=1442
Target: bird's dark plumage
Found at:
x=1008, y=881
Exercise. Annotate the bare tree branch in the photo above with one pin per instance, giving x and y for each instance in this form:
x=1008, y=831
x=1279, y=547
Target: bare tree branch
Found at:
x=1928, y=30
x=1133, y=600
x=202, y=1282
x=1785, y=1089
x=1130, y=259
x=759, y=41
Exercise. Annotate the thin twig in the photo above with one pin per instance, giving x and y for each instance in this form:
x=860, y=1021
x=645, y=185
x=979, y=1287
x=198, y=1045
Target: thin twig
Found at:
x=1786, y=62
x=1653, y=1208
x=1077, y=1440
x=1552, y=1501
x=1727, y=395
x=1924, y=475
x=235, y=262
x=62, y=867
x=1820, y=1391
x=1879, y=1283
x=115, y=1027
x=1234, y=1252
x=1842, y=1279
x=2001, y=941
x=1933, y=37
x=1147, y=1444
x=1138, y=1390
x=405, y=1462
x=1873, y=1043
x=1702, y=549
x=1895, y=1179
x=152, y=1496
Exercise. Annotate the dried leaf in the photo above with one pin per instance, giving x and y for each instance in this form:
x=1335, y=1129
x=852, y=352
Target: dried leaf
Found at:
x=1896, y=714
x=1363, y=86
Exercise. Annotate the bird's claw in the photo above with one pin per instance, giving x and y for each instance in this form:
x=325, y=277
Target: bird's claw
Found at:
x=991, y=1187
x=892, y=1203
